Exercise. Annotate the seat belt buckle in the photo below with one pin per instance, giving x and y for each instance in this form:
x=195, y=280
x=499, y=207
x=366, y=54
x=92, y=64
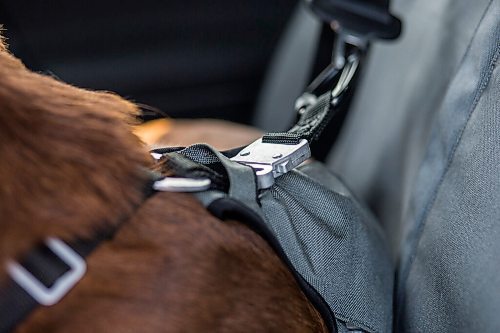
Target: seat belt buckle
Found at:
x=271, y=160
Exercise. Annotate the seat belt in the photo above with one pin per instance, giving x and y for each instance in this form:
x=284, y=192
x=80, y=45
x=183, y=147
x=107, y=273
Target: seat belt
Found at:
x=367, y=19
x=355, y=23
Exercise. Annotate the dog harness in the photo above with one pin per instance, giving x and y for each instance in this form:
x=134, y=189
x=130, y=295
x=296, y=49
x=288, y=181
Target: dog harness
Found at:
x=330, y=242
x=49, y=271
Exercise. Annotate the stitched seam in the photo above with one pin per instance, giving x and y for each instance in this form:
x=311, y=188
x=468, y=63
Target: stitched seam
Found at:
x=430, y=204
x=356, y=322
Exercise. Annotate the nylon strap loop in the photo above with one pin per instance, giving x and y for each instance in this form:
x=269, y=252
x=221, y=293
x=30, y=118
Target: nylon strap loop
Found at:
x=312, y=121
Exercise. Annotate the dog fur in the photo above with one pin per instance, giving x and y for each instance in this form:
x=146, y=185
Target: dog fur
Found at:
x=69, y=167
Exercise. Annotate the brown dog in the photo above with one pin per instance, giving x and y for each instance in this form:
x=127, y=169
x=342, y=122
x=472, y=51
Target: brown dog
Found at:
x=220, y=134
x=69, y=167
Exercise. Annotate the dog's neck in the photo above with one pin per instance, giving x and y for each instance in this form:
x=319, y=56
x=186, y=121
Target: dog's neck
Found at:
x=69, y=164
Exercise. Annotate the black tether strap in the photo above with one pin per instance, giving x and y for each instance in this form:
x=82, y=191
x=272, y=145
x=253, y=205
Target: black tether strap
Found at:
x=315, y=115
x=309, y=126
x=15, y=302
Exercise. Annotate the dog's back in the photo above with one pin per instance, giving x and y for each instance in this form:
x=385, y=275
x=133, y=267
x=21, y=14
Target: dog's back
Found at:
x=70, y=167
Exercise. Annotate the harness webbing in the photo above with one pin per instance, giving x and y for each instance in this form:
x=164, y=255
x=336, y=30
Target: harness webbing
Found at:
x=43, y=264
x=309, y=126
x=15, y=302
x=315, y=113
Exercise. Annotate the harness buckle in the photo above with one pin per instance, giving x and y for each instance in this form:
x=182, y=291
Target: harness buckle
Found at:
x=174, y=184
x=271, y=160
x=36, y=289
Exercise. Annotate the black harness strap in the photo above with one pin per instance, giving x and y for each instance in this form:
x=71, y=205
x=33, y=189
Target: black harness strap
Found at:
x=15, y=302
x=47, y=267
x=315, y=113
x=181, y=166
x=15, y=305
x=228, y=208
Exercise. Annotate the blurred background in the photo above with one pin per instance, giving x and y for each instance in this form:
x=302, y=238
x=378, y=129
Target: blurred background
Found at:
x=189, y=58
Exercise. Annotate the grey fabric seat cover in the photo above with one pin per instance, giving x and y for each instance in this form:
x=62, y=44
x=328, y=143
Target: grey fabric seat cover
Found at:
x=331, y=240
x=422, y=148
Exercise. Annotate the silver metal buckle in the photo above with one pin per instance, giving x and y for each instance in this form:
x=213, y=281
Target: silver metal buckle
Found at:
x=271, y=160
x=174, y=184
x=36, y=289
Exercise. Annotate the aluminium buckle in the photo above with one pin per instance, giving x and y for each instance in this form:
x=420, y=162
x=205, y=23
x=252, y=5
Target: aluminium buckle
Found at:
x=35, y=288
x=271, y=160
